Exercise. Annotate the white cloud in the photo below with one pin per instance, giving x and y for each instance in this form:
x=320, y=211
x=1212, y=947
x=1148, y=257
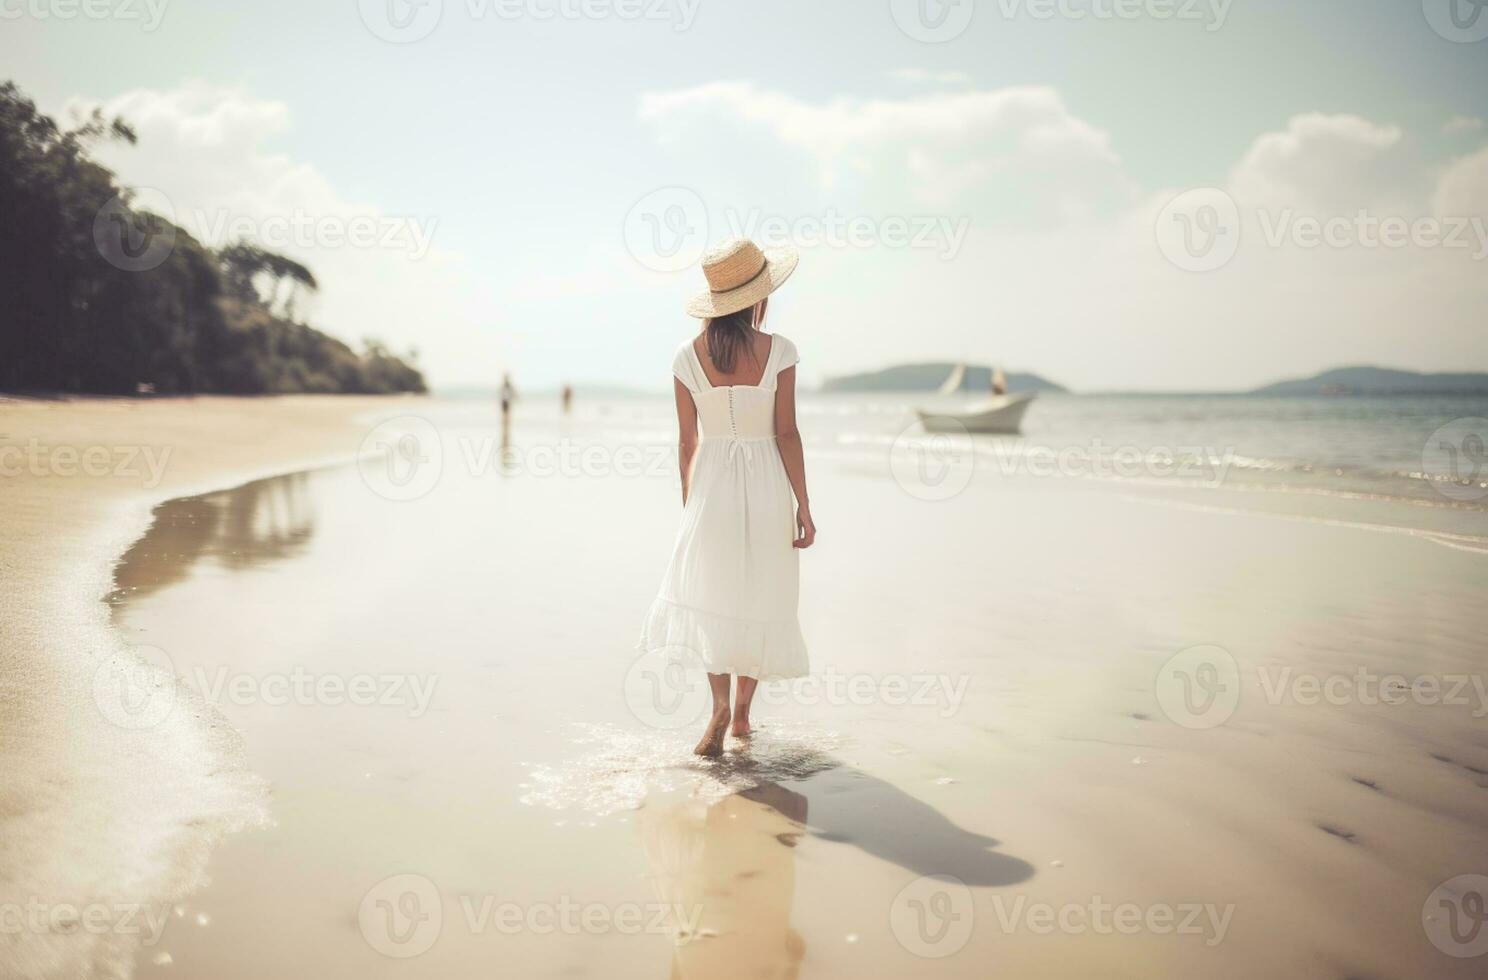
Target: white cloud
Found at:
x=1463, y=124
x=1462, y=190
x=1020, y=145
x=1324, y=162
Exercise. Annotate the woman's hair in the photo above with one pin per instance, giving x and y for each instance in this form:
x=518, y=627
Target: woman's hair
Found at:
x=729, y=334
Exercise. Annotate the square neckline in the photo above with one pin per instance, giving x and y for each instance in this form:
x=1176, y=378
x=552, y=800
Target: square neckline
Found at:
x=764, y=375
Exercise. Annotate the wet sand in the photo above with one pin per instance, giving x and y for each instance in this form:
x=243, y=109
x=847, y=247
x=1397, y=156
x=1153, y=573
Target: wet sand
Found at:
x=993, y=771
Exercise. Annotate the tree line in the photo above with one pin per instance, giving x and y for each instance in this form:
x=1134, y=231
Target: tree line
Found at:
x=98, y=295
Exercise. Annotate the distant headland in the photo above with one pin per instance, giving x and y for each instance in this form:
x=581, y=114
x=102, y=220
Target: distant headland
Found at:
x=1380, y=381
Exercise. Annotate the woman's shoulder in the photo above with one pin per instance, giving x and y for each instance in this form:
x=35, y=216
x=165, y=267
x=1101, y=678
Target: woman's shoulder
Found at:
x=683, y=364
x=785, y=351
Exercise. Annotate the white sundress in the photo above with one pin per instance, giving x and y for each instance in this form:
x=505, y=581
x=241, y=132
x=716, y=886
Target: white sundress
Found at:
x=728, y=600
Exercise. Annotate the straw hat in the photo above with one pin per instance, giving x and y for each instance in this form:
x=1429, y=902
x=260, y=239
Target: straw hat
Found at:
x=739, y=275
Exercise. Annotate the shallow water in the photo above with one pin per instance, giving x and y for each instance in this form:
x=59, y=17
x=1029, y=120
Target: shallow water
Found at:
x=1418, y=450
x=620, y=768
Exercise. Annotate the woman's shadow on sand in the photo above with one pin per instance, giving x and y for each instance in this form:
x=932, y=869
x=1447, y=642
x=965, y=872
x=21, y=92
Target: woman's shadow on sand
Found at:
x=849, y=806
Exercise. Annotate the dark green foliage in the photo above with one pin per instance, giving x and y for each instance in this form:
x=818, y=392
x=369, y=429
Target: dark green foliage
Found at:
x=80, y=312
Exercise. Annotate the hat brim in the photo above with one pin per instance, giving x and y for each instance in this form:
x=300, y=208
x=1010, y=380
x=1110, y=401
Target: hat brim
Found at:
x=779, y=264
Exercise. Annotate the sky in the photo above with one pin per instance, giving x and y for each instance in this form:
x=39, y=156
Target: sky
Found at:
x=1157, y=195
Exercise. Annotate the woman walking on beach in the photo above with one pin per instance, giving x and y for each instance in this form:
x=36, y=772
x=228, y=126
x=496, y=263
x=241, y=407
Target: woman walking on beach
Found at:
x=728, y=599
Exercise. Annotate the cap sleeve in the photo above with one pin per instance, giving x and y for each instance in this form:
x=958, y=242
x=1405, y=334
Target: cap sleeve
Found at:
x=684, y=367
x=787, y=356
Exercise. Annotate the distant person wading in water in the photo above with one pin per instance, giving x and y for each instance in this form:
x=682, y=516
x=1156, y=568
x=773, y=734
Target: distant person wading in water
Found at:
x=508, y=395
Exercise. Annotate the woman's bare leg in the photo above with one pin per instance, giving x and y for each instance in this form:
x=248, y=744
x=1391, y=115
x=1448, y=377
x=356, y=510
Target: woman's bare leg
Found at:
x=743, y=696
x=712, y=743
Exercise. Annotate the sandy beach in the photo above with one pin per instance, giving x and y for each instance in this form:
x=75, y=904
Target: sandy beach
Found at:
x=1056, y=727
x=97, y=815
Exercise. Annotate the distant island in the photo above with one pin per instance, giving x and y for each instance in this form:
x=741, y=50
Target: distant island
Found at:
x=930, y=376
x=1380, y=381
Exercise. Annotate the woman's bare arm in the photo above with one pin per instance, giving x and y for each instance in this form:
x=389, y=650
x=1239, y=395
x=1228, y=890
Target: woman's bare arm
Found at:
x=687, y=437
x=788, y=439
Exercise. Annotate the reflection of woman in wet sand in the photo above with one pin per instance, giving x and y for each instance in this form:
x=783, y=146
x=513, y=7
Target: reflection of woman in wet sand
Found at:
x=727, y=870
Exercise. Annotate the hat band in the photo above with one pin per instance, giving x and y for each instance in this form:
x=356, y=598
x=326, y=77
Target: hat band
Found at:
x=764, y=264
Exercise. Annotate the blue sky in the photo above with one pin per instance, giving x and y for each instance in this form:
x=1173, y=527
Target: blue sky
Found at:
x=1035, y=154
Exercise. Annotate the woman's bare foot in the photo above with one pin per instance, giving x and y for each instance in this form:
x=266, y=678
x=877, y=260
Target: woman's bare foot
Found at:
x=742, y=701
x=712, y=743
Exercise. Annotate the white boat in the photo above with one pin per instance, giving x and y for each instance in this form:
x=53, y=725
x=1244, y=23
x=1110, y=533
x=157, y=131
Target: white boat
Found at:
x=1001, y=413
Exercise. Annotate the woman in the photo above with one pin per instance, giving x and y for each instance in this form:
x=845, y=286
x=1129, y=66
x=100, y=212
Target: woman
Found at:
x=728, y=601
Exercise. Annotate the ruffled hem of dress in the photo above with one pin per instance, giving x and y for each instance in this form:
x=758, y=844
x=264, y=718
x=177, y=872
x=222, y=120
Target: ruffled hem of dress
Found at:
x=723, y=644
